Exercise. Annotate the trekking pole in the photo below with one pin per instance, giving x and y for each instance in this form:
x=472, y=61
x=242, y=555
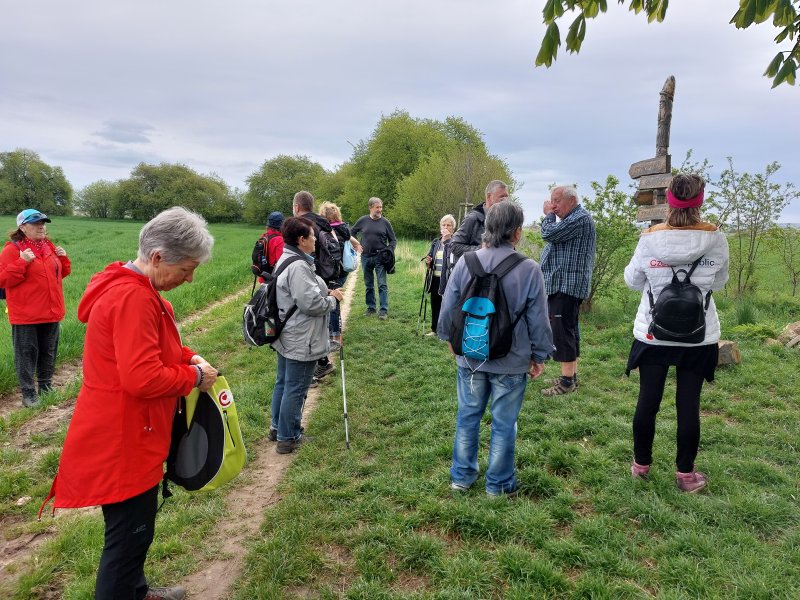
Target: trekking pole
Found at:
x=344, y=390
x=423, y=305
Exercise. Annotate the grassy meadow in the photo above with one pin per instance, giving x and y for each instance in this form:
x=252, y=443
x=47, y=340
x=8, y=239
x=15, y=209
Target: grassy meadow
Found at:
x=379, y=521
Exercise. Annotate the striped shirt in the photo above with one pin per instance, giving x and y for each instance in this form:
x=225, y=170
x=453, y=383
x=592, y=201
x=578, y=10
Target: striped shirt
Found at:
x=568, y=256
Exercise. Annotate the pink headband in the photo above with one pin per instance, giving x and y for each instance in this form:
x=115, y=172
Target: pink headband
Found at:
x=688, y=203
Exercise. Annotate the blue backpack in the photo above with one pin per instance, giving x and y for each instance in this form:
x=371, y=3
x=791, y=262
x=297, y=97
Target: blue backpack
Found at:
x=348, y=257
x=482, y=327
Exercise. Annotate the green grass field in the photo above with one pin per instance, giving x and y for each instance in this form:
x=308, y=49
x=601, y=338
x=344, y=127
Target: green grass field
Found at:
x=379, y=521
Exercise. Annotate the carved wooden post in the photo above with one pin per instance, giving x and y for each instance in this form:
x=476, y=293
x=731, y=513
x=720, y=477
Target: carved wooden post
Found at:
x=655, y=174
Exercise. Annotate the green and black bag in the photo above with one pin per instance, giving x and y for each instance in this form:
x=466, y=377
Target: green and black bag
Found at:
x=207, y=449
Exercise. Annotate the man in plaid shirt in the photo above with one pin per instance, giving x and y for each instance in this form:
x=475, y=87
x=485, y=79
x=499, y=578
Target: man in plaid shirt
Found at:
x=567, y=262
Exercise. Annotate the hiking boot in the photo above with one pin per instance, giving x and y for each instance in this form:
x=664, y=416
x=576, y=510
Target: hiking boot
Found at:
x=162, y=593
x=335, y=345
x=289, y=446
x=30, y=401
x=272, y=436
x=383, y=315
x=559, y=388
x=314, y=383
x=321, y=371
x=554, y=382
x=370, y=312
x=639, y=471
x=690, y=482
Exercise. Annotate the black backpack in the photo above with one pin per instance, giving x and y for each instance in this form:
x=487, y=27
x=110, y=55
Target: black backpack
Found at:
x=260, y=257
x=679, y=314
x=329, y=256
x=261, y=322
x=482, y=327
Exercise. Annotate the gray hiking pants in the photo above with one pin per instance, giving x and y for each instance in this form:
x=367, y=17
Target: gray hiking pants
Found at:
x=35, y=349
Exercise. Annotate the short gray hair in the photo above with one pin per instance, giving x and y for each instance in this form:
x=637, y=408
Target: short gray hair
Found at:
x=502, y=220
x=494, y=185
x=373, y=201
x=448, y=219
x=177, y=233
x=568, y=191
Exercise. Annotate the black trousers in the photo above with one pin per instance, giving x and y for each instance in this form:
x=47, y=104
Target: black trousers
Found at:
x=436, y=302
x=687, y=405
x=129, y=532
x=35, y=349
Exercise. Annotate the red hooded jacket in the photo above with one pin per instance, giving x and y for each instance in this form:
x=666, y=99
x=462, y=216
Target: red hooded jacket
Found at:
x=33, y=289
x=134, y=369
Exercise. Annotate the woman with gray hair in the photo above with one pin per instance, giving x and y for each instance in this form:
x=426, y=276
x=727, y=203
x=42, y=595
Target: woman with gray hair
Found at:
x=134, y=369
x=437, y=259
x=503, y=379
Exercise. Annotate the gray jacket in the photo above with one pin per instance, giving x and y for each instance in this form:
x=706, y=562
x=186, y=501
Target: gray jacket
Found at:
x=523, y=287
x=305, y=335
x=468, y=236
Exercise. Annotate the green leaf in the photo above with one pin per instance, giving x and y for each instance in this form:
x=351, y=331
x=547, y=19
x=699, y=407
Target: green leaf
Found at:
x=745, y=15
x=636, y=5
x=787, y=73
x=764, y=8
x=549, y=12
x=576, y=34
x=591, y=9
x=773, y=67
x=549, y=50
x=784, y=14
x=782, y=35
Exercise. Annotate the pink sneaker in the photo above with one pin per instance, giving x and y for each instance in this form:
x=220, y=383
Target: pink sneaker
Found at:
x=690, y=482
x=639, y=471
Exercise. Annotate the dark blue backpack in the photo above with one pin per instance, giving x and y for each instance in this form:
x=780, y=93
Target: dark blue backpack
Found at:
x=482, y=327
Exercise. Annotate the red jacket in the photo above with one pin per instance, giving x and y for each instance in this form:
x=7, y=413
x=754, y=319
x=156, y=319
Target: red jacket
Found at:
x=33, y=289
x=275, y=246
x=134, y=369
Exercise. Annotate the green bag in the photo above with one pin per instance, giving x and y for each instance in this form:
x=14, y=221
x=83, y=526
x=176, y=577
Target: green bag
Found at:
x=207, y=449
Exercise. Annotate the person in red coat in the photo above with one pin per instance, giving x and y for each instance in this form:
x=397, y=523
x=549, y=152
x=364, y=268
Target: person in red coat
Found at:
x=31, y=270
x=134, y=369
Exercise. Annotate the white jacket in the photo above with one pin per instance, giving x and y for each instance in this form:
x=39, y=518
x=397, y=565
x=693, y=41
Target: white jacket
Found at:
x=663, y=246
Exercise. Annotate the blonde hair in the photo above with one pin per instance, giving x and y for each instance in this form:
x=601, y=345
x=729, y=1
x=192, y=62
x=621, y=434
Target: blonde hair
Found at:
x=330, y=211
x=449, y=219
x=684, y=186
x=683, y=217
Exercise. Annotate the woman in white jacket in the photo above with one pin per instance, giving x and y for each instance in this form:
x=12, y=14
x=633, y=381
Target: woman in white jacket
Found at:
x=304, y=338
x=676, y=244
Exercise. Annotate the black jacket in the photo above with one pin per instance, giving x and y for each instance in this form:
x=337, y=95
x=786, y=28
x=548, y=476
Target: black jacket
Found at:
x=469, y=234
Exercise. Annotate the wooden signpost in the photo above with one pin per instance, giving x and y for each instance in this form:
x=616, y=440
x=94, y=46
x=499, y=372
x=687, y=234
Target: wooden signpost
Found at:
x=655, y=174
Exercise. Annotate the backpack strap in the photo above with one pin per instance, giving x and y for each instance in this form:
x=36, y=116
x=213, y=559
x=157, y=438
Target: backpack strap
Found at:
x=504, y=267
x=694, y=266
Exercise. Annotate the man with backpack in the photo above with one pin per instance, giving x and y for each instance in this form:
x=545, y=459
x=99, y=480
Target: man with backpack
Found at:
x=494, y=318
x=269, y=247
x=567, y=264
x=379, y=241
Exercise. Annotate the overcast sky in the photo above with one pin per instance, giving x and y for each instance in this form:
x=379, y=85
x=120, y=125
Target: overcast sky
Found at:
x=97, y=87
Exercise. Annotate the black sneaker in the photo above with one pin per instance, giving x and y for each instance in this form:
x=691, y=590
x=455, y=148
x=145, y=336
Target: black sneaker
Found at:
x=289, y=446
x=383, y=315
x=370, y=312
x=272, y=436
x=30, y=401
x=321, y=371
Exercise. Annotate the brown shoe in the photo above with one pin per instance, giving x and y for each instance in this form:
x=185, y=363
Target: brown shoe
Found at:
x=162, y=593
x=289, y=446
x=559, y=389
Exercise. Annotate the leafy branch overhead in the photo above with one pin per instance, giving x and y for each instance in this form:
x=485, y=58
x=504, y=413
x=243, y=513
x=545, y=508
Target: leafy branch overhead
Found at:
x=785, y=16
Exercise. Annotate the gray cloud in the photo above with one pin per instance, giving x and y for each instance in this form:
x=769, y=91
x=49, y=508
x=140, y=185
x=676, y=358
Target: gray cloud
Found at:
x=123, y=132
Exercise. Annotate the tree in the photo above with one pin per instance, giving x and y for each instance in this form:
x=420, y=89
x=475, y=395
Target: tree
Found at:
x=747, y=206
x=784, y=15
x=98, y=199
x=273, y=186
x=28, y=182
x=153, y=188
x=442, y=182
x=786, y=241
x=614, y=214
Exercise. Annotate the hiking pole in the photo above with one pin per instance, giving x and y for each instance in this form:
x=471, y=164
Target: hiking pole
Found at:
x=423, y=302
x=344, y=390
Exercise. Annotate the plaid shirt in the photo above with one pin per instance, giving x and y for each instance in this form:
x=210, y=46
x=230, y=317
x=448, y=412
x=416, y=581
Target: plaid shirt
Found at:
x=568, y=256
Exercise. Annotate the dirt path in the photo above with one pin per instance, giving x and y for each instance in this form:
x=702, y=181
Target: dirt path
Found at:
x=248, y=501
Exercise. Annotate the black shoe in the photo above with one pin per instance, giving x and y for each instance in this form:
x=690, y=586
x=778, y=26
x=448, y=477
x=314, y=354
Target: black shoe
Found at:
x=272, y=436
x=370, y=312
x=383, y=315
x=30, y=401
x=289, y=446
x=321, y=371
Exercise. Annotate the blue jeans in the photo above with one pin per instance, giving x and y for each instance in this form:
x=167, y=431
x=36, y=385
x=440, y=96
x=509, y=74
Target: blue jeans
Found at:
x=289, y=395
x=474, y=391
x=370, y=264
x=333, y=323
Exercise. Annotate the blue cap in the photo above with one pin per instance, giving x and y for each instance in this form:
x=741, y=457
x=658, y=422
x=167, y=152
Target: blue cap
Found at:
x=31, y=215
x=275, y=220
